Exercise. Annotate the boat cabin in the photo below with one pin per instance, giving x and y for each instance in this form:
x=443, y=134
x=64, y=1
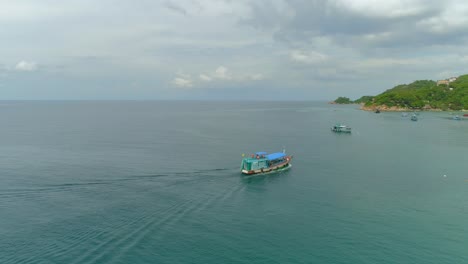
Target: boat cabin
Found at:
x=262, y=160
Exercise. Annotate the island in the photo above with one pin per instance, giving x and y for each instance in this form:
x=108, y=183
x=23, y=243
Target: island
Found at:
x=342, y=100
x=443, y=95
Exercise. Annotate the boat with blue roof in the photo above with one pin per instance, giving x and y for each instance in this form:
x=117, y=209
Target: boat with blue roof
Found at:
x=262, y=162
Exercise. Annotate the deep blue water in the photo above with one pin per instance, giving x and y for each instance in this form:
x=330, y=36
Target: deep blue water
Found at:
x=159, y=182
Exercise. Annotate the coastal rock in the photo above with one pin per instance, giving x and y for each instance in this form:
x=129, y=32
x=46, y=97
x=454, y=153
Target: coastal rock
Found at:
x=385, y=108
x=396, y=108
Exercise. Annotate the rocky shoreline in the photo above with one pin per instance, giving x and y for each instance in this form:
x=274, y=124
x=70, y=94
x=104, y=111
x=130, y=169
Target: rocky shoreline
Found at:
x=385, y=108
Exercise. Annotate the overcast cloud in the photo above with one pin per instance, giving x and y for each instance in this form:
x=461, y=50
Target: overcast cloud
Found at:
x=243, y=49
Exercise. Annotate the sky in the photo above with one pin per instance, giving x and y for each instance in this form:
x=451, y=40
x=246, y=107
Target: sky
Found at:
x=226, y=49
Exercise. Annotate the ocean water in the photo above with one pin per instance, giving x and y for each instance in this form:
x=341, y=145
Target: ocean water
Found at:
x=159, y=182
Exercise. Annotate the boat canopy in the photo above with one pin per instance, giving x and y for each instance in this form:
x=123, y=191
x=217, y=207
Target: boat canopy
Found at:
x=260, y=153
x=274, y=156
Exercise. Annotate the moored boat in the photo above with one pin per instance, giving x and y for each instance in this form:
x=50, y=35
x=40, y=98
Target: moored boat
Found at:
x=339, y=128
x=414, y=117
x=456, y=117
x=262, y=162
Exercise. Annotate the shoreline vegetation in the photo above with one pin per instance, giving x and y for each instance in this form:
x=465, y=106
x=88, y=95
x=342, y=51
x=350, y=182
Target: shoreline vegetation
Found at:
x=421, y=95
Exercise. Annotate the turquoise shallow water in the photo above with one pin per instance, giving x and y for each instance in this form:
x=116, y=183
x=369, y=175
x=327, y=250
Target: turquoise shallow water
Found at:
x=159, y=182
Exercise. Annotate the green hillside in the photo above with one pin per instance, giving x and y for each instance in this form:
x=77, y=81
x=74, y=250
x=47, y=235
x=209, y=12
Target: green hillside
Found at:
x=424, y=94
x=364, y=99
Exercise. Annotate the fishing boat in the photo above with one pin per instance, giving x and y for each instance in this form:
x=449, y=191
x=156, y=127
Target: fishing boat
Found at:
x=456, y=117
x=262, y=162
x=414, y=117
x=339, y=128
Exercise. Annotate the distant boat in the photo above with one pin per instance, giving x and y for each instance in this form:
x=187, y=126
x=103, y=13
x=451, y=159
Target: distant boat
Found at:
x=377, y=111
x=456, y=118
x=262, y=162
x=465, y=115
x=339, y=128
x=414, y=117
x=404, y=114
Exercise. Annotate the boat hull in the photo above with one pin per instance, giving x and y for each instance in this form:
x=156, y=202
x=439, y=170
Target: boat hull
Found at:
x=273, y=169
x=341, y=130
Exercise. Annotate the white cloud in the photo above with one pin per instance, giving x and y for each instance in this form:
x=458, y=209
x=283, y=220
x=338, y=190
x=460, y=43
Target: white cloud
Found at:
x=222, y=73
x=257, y=77
x=388, y=8
x=183, y=81
x=26, y=66
x=452, y=17
x=309, y=57
x=205, y=78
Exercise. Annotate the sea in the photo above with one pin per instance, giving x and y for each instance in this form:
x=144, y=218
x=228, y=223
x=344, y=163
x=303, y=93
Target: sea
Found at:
x=160, y=182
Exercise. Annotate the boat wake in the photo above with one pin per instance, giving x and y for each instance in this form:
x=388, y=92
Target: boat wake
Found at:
x=126, y=231
x=70, y=186
x=155, y=225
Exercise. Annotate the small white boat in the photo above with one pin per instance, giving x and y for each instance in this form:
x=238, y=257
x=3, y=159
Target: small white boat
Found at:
x=339, y=128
